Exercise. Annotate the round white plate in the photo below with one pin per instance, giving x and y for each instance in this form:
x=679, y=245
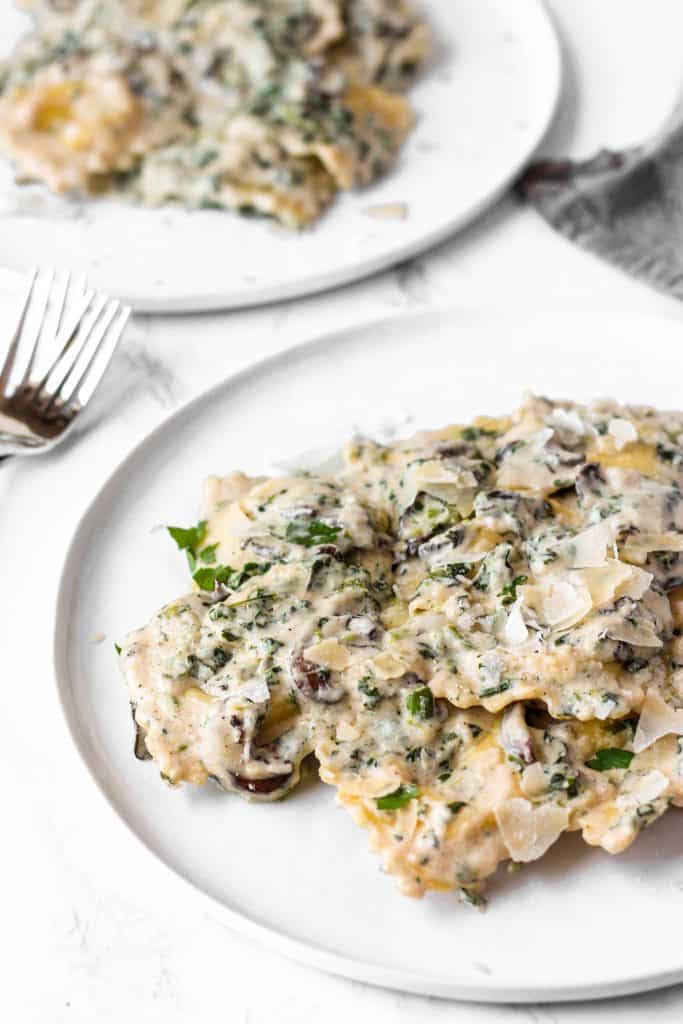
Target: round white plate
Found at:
x=483, y=107
x=298, y=875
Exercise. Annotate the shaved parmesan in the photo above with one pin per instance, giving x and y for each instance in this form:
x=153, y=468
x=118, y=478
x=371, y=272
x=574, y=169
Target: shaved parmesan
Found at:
x=528, y=831
x=346, y=732
x=387, y=666
x=657, y=719
x=328, y=653
x=388, y=211
x=570, y=420
x=557, y=603
x=533, y=781
x=640, y=634
x=454, y=484
x=638, y=585
x=622, y=431
x=639, y=546
x=615, y=579
x=644, y=789
x=514, y=632
x=523, y=469
x=255, y=690
x=588, y=549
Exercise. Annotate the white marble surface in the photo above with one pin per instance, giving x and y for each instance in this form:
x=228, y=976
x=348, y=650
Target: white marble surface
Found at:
x=91, y=928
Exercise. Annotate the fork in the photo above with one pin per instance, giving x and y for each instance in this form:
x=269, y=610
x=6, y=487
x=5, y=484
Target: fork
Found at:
x=59, y=352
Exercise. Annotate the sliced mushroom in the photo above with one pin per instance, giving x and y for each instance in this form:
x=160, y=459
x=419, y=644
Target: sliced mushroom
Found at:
x=590, y=482
x=364, y=631
x=266, y=786
x=515, y=737
x=139, y=746
x=297, y=512
x=667, y=568
x=314, y=681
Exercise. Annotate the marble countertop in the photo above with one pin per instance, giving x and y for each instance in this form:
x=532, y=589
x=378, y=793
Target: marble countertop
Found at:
x=92, y=929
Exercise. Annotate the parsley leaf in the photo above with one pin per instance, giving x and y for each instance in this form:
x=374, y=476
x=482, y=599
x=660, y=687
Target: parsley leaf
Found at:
x=509, y=592
x=610, y=757
x=208, y=577
x=117, y=648
x=420, y=703
x=208, y=554
x=205, y=578
x=492, y=691
x=372, y=695
x=401, y=797
x=310, y=534
x=188, y=539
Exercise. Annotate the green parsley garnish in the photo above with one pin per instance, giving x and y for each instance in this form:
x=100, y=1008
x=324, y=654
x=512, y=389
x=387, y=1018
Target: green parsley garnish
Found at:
x=310, y=534
x=456, y=806
x=610, y=757
x=207, y=578
x=509, y=592
x=493, y=690
x=188, y=540
x=372, y=695
x=208, y=554
x=420, y=703
x=401, y=797
x=117, y=648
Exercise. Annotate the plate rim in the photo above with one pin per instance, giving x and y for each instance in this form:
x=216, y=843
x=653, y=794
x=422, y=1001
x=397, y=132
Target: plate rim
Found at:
x=273, y=938
x=549, y=45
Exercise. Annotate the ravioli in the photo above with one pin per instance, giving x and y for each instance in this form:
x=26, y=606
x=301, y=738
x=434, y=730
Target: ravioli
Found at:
x=262, y=107
x=475, y=632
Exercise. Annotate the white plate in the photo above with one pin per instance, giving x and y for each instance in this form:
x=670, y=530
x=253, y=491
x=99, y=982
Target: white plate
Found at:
x=297, y=874
x=483, y=109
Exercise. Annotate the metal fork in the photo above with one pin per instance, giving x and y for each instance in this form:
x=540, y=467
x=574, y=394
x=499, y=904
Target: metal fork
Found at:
x=63, y=343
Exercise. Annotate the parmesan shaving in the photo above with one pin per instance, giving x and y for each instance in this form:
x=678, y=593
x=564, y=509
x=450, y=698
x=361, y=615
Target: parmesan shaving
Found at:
x=622, y=431
x=557, y=603
x=570, y=420
x=528, y=831
x=588, y=549
x=657, y=719
x=388, y=211
x=328, y=653
x=387, y=666
x=514, y=631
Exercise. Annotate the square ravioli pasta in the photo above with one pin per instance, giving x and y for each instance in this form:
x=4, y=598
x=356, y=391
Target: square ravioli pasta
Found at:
x=266, y=107
x=476, y=633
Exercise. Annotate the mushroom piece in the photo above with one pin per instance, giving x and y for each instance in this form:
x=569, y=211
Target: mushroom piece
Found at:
x=139, y=746
x=364, y=630
x=265, y=786
x=314, y=681
x=515, y=736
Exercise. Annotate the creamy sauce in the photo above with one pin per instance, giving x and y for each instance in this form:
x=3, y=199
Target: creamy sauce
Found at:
x=463, y=627
x=261, y=106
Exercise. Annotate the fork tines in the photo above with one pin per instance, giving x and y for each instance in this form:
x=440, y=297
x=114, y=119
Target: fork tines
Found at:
x=63, y=344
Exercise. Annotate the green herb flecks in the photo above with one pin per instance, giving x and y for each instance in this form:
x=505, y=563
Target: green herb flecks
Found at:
x=371, y=695
x=310, y=534
x=189, y=539
x=610, y=757
x=493, y=691
x=209, y=577
x=401, y=797
x=420, y=703
x=509, y=592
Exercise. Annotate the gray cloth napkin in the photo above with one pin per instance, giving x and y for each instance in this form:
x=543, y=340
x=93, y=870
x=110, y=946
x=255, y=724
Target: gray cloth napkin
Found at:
x=626, y=207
